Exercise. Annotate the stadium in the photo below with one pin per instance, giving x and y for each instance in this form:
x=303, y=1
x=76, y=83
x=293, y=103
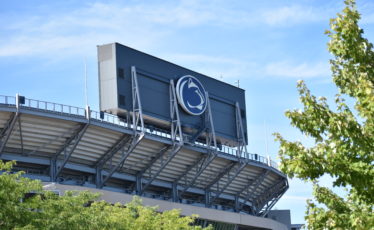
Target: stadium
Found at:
x=171, y=135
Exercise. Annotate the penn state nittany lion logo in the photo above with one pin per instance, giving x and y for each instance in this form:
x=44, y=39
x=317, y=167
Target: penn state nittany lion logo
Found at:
x=191, y=95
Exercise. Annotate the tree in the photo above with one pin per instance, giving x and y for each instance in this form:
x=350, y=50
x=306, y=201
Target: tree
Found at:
x=343, y=137
x=75, y=210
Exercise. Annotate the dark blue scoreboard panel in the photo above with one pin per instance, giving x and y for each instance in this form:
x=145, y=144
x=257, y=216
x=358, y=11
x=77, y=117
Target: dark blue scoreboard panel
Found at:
x=154, y=75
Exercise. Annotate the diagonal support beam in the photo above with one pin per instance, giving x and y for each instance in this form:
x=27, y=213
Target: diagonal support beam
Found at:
x=158, y=155
x=230, y=178
x=135, y=141
x=198, y=133
x=221, y=174
x=242, y=145
x=20, y=134
x=268, y=206
x=199, y=166
x=68, y=149
x=258, y=179
x=8, y=128
x=49, y=142
x=270, y=192
x=163, y=164
x=167, y=152
x=125, y=139
x=255, y=184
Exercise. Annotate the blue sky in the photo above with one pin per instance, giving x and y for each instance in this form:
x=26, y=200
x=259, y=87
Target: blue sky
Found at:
x=266, y=45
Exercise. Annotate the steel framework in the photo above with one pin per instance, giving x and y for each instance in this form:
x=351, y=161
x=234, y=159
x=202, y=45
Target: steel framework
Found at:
x=204, y=161
x=209, y=175
x=167, y=153
x=66, y=150
x=125, y=145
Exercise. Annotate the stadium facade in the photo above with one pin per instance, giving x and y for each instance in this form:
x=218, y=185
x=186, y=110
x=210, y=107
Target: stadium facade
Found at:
x=173, y=136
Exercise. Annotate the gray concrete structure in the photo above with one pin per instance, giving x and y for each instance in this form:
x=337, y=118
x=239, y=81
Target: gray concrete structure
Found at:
x=240, y=220
x=283, y=216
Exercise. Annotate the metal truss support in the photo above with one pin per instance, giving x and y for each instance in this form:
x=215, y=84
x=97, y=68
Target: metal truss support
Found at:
x=211, y=140
x=269, y=192
x=207, y=127
x=217, y=178
x=242, y=145
x=20, y=134
x=140, y=174
x=67, y=150
x=8, y=128
x=176, y=129
x=270, y=205
x=164, y=159
x=167, y=153
x=135, y=140
x=231, y=175
x=198, y=167
x=137, y=112
x=155, y=158
x=49, y=142
x=273, y=191
x=221, y=174
x=258, y=180
x=255, y=183
x=118, y=146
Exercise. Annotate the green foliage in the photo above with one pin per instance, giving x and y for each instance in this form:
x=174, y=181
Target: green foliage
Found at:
x=344, y=138
x=75, y=210
x=13, y=187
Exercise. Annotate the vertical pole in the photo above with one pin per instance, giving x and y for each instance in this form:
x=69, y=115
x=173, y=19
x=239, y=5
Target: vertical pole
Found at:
x=52, y=170
x=236, y=203
x=175, y=192
x=99, y=177
x=207, y=198
x=138, y=183
x=17, y=101
x=88, y=112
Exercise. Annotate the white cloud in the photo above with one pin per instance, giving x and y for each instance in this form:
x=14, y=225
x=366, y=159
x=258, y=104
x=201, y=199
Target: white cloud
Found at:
x=287, y=69
x=290, y=15
x=140, y=25
x=79, y=31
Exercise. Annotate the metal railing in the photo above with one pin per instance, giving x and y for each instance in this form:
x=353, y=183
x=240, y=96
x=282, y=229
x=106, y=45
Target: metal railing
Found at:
x=7, y=100
x=10, y=101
